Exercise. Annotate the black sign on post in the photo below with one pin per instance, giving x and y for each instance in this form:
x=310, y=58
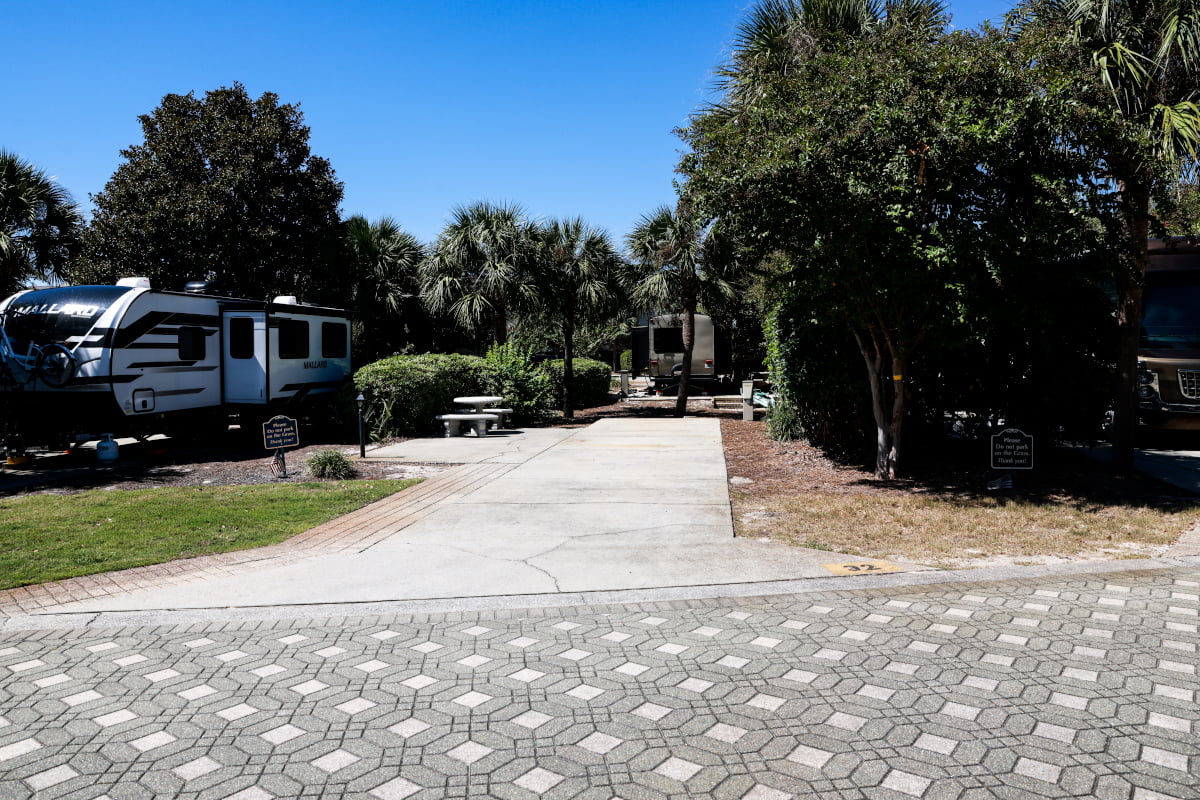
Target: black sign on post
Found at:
x=1012, y=449
x=280, y=432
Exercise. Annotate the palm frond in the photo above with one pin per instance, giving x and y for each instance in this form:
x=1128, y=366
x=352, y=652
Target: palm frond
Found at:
x=1179, y=35
x=1123, y=70
x=853, y=18
x=40, y=224
x=922, y=17
x=1179, y=125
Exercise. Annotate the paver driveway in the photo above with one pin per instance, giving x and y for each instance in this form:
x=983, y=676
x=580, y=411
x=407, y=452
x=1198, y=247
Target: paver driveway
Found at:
x=1073, y=686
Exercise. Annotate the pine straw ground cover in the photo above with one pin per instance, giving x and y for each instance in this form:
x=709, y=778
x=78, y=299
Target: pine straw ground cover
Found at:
x=1070, y=508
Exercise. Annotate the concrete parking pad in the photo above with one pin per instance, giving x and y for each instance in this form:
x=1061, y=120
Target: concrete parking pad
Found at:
x=620, y=504
x=498, y=447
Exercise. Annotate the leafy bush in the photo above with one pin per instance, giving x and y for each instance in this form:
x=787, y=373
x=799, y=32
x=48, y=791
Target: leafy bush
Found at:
x=591, y=385
x=405, y=394
x=819, y=391
x=331, y=465
x=523, y=385
x=626, y=360
x=783, y=421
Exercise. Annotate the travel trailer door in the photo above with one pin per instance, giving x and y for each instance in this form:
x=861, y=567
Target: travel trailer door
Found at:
x=244, y=357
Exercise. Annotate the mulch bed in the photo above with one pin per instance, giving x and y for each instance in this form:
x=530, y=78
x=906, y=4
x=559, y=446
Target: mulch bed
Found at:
x=151, y=464
x=1064, y=474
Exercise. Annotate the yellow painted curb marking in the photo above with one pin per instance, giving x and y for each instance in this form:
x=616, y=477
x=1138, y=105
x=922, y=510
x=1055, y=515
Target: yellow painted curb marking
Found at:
x=862, y=568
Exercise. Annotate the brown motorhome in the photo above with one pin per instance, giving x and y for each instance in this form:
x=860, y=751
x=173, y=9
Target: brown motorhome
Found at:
x=1169, y=353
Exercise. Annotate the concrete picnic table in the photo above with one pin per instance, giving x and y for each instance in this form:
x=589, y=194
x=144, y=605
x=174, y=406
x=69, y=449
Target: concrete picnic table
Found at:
x=478, y=403
x=485, y=404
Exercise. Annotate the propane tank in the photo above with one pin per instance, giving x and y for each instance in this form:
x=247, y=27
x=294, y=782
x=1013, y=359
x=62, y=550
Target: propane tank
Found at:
x=107, y=450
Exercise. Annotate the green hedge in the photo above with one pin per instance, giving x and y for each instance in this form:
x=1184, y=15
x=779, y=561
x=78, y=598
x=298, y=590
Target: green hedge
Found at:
x=592, y=381
x=405, y=394
x=818, y=380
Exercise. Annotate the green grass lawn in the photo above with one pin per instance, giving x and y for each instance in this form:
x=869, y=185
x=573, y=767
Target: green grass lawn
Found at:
x=51, y=537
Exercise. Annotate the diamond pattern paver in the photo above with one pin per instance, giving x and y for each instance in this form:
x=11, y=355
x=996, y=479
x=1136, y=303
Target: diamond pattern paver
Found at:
x=538, y=780
x=51, y=777
x=1077, y=685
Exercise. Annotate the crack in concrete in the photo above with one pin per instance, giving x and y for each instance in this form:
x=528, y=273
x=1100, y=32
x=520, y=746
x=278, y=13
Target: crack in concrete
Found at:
x=565, y=541
x=527, y=561
x=533, y=454
x=512, y=560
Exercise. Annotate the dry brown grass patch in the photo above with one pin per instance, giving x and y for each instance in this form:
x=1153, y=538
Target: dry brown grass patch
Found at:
x=944, y=531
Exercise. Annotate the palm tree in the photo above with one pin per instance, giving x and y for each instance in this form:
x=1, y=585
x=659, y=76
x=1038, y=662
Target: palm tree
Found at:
x=39, y=224
x=572, y=279
x=679, y=262
x=476, y=265
x=1146, y=55
x=776, y=34
x=383, y=260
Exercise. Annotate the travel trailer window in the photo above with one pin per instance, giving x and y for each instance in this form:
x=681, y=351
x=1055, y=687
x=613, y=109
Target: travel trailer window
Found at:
x=293, y=338
x=241, y=337
x=1171, y=319
x=333, y=340
x=191, y=344
x=668, y=340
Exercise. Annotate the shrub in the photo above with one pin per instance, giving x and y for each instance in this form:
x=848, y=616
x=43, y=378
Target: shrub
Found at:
x=331, y=465
x=523, y=385
x=783, y=420
x=405, y=394
x=626, y=360
x=592, y=379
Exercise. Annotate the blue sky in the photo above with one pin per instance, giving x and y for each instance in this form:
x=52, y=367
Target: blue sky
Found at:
x=565, y=108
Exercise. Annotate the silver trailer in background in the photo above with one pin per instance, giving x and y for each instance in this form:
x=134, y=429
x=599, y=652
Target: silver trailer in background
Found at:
x=1169, y=351
x=76, y=361
x=664, y=360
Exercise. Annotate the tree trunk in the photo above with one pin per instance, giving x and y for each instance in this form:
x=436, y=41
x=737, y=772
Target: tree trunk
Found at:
x=898, y=397
x=500, y=326
x=568, y=330
x=1134, y=207
x=885, y=444
x=689, y=344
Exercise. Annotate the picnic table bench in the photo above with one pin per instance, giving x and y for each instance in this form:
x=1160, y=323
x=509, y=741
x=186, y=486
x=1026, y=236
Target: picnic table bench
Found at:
x=479, y=422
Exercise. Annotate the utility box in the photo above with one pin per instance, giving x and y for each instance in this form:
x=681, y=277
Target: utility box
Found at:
x=747, y=401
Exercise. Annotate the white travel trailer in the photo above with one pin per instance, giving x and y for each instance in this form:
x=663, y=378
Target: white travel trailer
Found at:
x=131, y=360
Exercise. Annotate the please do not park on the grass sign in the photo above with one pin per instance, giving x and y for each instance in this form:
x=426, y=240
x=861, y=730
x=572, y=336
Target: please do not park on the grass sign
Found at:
x=1012, y=448
x=280, y=432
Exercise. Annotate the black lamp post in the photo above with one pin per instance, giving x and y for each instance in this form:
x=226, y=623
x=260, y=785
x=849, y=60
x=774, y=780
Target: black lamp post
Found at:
x=362, y=426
